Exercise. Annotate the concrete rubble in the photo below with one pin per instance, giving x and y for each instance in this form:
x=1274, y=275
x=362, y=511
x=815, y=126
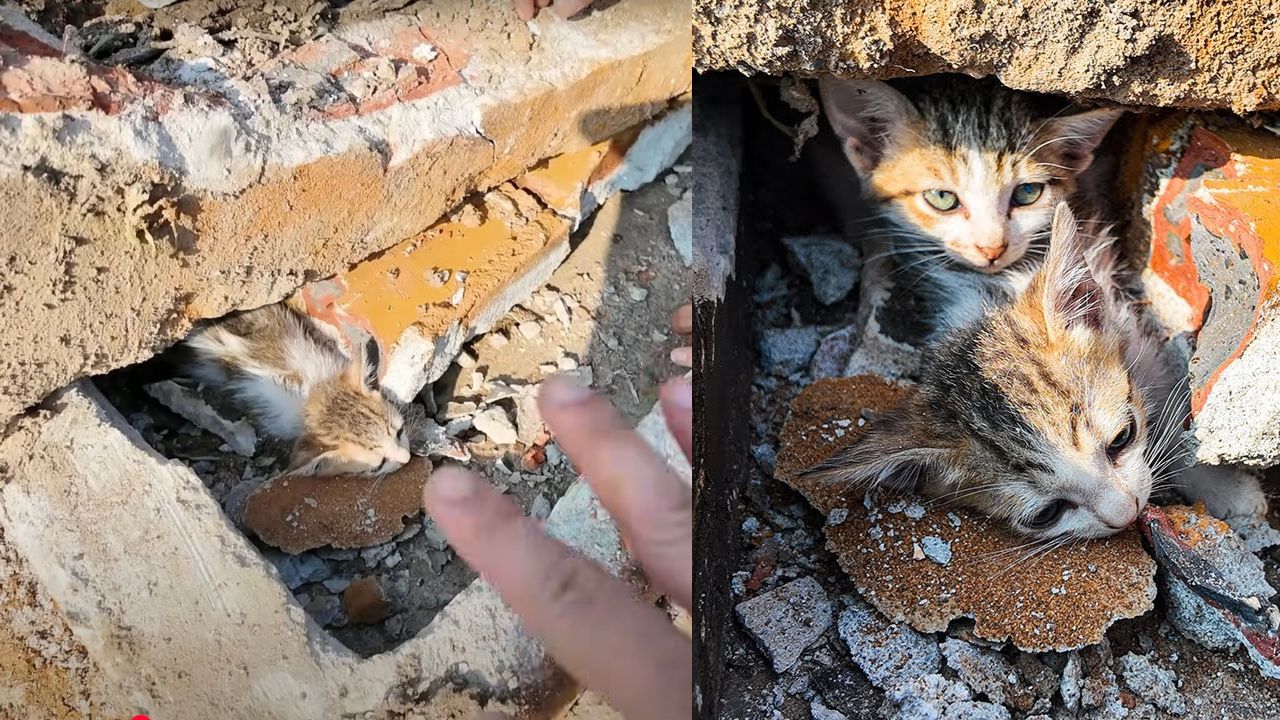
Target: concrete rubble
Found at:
x=787, y=620
x=260, y=155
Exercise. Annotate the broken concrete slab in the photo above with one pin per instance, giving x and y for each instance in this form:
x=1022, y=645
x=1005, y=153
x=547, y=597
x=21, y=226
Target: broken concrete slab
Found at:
x=239, y=434
x=1145, y=52
x=1061, y=599
x=299, y=513
x=787, y=620
x=132, y=610
x=252, y=194
x=1152, y=683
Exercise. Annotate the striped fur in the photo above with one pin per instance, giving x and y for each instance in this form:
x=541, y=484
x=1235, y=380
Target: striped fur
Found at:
x=1017, y=410
x=978, y=140
x=293, y=376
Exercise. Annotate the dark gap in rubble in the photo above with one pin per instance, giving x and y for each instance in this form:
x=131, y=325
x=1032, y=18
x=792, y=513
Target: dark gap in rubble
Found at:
x=1145, y=668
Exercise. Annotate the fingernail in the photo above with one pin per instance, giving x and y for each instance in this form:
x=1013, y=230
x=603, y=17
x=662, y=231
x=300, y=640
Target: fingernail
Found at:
x=680, y=393
x=563, y=392
x=682, y=356
x=453, y=485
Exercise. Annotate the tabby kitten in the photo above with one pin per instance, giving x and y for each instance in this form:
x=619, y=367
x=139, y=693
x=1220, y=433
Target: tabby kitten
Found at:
x=964, y=174
x=293, y=376
x=1058, y=412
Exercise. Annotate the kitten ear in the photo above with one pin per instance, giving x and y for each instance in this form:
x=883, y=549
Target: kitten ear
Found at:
x=865, y=114
x=304, y=462
x=1071, y=141
x=897, y=453
x=362, y=371
x=1070, y=295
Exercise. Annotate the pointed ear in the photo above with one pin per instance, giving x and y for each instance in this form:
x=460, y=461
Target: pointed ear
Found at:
x=362, y=371
x=307, y=463
x=1071, y=141
x=866, y=115
x=1070, y=294
x=898, y=453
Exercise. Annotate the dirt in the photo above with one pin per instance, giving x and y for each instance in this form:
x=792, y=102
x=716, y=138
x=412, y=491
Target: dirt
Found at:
x=622, y=280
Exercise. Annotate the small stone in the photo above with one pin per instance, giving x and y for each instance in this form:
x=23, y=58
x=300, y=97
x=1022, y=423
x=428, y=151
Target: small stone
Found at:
x=561, y=311
x=566, y=363
x=818, y=711
x=326, y=610
x=454, y=410
x=1152, y=683
x=638, y=294
x=786, y=350
x=936, y=549
x=465, y=360
x=335, y=585
x=529, y=330
x=457, y=426
x=298, y=570
x=540, y=508
x=889, y=653
x=374, y=555
x=837, y=516
x=680, y=226
x=364, y=602
x=830, y=262
x=786, y=620
x=498, y=339
x=528, y=417
x=409, y=533
x=495, y=424
x=434, y=537
x=395, y=625
x=555, y=456
x=496, y=390
x=392, y=560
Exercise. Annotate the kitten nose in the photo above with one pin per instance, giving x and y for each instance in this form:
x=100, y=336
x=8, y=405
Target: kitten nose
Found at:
x=1130, y=515
x=991, y=252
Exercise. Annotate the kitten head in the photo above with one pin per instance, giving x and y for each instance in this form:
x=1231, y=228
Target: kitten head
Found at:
x=1030, y=415
x=968, y=166
x=350, y=427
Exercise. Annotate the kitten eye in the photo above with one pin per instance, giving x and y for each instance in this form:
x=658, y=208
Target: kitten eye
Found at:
x=1049, y=514
x=941, y=200
x=1027, y=193
x=1123, y=438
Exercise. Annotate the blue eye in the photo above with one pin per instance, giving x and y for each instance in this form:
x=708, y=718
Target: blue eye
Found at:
x=1027, y=193
x=941, y=200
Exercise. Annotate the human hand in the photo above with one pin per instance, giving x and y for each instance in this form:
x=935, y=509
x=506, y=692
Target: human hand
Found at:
x=590, y=622
x=682, y=324
x=528, y=9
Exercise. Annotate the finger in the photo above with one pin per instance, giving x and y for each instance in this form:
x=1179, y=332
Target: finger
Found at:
x=568, y=8
x=525, y=9
x=682, y=320
x=650, y=504
x=682, y=356
x=590, y=622
x=677, y=407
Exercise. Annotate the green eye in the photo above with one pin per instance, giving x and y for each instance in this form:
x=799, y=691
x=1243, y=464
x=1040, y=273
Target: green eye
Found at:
x=942, y=200
x=1027, y=193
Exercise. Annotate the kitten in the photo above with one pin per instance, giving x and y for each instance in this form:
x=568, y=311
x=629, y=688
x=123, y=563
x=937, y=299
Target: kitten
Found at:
x=298, y=383
x=1059, y=412
x=964, y=175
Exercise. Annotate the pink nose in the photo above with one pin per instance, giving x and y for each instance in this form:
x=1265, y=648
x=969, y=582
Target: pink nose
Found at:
x=1129, y=516
x=991, y=252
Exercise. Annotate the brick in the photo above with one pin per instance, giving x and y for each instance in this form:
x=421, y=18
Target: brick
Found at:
x=1213, y=223
x=137, y=206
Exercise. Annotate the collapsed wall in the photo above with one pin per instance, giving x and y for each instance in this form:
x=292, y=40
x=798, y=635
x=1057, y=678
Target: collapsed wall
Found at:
x=1138, y=52
x=135, y=204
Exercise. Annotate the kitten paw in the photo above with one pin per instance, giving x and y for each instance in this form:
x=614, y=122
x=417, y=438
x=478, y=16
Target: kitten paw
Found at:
x=1225, y=492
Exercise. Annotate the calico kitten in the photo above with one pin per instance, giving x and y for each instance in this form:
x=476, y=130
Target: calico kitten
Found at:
x=295, y=379
x=964, y=175
x=1059, y=412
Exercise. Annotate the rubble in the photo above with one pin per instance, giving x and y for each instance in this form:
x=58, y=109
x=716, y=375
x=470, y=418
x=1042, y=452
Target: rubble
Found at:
x=495, y=424
x=1063, y=599
x=787, y=620
x=239, y=434
x=1217, y=590
x=889, y=653
x=1152, y=683
x=830, y=262
x=786, y=350
x=296, y=513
